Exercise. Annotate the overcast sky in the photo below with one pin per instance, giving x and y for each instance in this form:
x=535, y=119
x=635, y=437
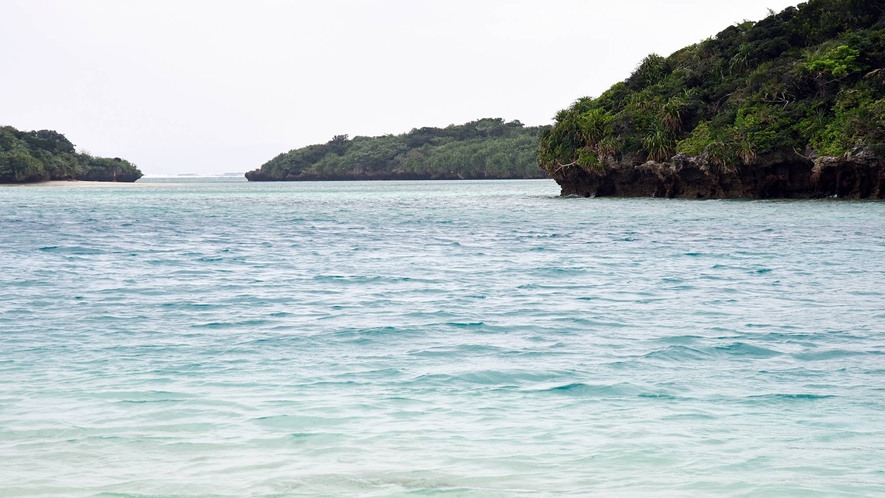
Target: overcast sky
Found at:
x=222, y=86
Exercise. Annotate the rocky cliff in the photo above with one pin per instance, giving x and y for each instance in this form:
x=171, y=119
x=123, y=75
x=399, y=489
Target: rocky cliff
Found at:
x=858, y=175
x=790, y=106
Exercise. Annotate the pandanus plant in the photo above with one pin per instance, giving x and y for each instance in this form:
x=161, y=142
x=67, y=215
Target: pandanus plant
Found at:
x=671, y=114
x=659, y=142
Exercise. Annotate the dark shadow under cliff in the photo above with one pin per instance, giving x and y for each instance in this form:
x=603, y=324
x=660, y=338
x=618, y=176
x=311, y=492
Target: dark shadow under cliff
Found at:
x=860, y=175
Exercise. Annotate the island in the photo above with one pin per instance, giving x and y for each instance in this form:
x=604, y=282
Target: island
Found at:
x=489, y=148
x=792, y=106
x=37, y=156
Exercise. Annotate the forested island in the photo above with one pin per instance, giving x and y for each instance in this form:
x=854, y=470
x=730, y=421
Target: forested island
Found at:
x=486, y=148
x=36, y=156
x=790, y=106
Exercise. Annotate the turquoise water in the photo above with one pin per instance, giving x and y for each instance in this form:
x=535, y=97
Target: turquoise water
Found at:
x=229, y=339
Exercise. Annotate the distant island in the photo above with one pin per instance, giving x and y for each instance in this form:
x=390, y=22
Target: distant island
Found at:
x=790, y=106
x=36, y=156
x=486, y=148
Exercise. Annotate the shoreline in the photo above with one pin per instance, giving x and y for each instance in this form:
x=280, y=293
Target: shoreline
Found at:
x=784, y=174
x=83, y=183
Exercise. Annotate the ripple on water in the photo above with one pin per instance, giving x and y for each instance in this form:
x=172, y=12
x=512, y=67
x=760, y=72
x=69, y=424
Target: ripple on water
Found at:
x=437, y=338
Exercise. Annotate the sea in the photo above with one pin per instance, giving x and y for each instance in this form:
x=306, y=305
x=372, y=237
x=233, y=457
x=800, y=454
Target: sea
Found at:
x=200, y=337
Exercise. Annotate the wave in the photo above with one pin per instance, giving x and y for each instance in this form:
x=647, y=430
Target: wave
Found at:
x=579, y=389
x=792, y=397
x=678, y=354
x=746, y=350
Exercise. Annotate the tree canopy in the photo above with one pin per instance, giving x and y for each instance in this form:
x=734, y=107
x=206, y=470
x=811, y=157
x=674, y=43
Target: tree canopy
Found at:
x=486, y=148
x=809, y=79
x=33, y=156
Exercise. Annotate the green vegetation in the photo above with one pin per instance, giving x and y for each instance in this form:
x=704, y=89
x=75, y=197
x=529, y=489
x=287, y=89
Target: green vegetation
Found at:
x=34, y=156
x=487, y=148
x=809, y=79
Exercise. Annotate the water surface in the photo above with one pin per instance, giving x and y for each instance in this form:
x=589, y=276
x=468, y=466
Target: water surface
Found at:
x=226, y=339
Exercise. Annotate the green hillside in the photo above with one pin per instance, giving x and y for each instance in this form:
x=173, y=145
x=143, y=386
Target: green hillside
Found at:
x=486, y=148
x=34, y=156
x=809, y=80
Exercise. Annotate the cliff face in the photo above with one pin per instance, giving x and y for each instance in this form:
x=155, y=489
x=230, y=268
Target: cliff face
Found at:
x=860, y=175
x=722, y=118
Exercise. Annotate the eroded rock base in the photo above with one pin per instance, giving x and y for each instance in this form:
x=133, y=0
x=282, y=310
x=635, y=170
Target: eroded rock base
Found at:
x=781, y=175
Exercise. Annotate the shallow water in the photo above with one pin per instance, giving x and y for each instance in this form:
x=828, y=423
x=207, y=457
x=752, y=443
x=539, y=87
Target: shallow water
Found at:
x=437, y=338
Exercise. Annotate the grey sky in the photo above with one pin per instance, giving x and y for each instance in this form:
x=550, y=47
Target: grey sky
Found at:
x=222, y=86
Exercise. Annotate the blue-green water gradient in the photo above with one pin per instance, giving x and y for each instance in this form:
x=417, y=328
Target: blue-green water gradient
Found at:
x=228, y=339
